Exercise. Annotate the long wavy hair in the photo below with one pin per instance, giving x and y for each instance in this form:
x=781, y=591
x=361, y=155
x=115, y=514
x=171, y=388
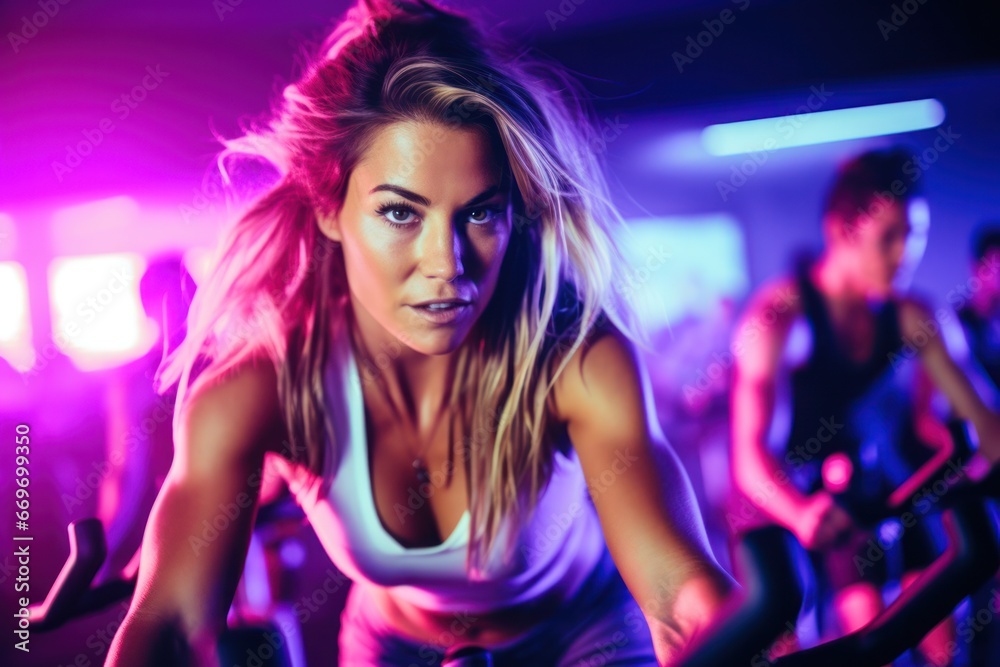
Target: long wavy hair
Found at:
x=278, y=289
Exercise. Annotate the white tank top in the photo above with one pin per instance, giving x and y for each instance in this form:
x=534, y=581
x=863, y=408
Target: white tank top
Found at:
x=556, y=549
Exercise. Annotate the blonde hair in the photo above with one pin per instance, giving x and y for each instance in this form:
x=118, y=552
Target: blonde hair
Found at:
x=278, y=287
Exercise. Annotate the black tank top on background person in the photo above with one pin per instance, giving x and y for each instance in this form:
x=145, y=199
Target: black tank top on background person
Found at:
x=826, y=391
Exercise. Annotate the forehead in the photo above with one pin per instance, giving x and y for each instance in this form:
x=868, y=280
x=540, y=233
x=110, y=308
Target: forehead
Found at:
x=432, y=159
x=892, y=215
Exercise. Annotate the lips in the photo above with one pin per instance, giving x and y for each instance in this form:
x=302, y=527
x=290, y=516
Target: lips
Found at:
x=446, y=313
x=443, y=302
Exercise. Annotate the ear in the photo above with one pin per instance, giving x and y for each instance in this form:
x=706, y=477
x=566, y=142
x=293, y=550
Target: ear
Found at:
x=329, y=225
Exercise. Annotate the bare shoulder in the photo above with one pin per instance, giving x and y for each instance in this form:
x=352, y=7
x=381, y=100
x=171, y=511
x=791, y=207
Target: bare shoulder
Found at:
x=760, y=335
x=776, y=302
x=605, y=366
x=914, y=312
x=235, y=418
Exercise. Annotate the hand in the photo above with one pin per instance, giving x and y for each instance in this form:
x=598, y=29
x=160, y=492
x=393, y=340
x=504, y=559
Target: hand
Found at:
x=699, y=600
x=822, y=523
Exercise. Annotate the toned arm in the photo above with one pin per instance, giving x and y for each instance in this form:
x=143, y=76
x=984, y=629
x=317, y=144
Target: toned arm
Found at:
x=758, y=351
x=759, y=346
x=190, y=568
x=648, y=513
x=922, y=331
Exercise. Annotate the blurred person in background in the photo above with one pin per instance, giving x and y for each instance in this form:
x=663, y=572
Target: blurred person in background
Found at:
x=823, y=338
x=139, y=440
x=977, y=302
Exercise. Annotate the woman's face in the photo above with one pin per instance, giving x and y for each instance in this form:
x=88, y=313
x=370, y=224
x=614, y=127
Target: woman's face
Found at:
x=424, y=218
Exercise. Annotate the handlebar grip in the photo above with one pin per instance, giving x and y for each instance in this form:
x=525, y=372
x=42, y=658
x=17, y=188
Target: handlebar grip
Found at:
x=766, y=559
x=87, y=551
x=972, y=559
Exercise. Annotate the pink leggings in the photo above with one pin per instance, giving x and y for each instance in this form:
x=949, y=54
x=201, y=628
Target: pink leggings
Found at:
x=600, y=626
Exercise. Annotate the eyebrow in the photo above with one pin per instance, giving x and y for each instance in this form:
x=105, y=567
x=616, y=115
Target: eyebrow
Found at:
x=423, y=201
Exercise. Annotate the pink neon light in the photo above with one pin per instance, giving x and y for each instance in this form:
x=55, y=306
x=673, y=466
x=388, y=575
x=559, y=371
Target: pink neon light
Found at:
x=837, y=472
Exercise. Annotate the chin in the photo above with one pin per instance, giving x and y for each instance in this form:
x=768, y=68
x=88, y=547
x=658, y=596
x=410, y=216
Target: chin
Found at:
x=438, y=343
x=881, y=291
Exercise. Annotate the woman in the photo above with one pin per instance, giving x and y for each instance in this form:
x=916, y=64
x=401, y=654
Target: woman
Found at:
x=407, y=310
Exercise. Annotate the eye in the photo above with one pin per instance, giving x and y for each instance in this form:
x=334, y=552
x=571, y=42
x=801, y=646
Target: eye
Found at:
x=396, y=214
x=485, y=215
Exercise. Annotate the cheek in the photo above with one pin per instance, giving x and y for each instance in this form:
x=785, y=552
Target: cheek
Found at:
x=371, y=266
x=494, y=256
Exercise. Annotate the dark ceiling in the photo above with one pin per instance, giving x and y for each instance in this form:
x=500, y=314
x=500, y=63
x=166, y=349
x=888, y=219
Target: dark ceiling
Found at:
x=228, y=58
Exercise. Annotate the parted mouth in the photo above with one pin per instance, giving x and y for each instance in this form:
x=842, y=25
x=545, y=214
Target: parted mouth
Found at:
x=443, y=302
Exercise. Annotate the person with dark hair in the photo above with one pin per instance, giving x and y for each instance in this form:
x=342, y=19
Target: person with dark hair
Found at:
x=416, y=326
x=977, y=302
x=826, y=338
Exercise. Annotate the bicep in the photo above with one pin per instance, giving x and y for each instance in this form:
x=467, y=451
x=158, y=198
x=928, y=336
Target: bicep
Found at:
x=754, y=393
x=199, y=528
x=194, y=545
x=921, y=330
x=643, y=497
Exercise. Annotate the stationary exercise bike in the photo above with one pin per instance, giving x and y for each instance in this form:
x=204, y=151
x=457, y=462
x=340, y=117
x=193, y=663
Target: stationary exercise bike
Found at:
x=766, y=560
x=74, y=594
x=773, y=593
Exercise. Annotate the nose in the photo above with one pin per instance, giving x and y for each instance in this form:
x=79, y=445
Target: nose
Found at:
x=441, y=251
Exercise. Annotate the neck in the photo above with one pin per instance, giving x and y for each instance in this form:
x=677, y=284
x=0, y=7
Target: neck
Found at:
x=835, y=282
x=413, y=386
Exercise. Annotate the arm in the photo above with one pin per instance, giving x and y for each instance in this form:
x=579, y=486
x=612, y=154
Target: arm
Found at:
x=189, y=570
x=648, y=513
x=921, y=330
x=758, y=350
x=931, y=432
